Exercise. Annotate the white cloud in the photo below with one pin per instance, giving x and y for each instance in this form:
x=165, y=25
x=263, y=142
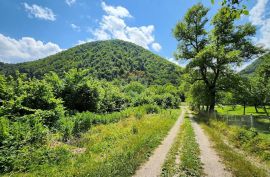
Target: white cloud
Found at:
x=113, y=26
x=257, y=17
x=70, y=2
x=75, y=27
x=156, y=46
x=173, y=60
x=84, y=41
x=24, y=49
x=39, y=12
x=182, y=63
x=118, y=11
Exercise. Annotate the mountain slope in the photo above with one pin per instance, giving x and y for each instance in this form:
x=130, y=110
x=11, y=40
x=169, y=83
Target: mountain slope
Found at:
x=253, y=67
x=112, y=59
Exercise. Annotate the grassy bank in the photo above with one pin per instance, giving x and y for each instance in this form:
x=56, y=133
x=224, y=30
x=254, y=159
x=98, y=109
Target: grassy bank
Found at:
x=248, y=140
x=183, y=158
x=241, y=139
x=115, y=149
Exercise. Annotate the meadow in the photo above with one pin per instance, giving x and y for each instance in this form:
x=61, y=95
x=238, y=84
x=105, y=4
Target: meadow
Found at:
x=115, y=149
x=239, y=110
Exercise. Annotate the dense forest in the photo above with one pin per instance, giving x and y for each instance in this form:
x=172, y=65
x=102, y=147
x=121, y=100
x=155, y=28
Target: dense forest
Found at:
x=126, y=61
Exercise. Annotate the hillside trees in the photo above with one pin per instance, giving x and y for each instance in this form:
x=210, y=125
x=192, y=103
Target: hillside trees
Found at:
x=211, y=54
x=110, y=60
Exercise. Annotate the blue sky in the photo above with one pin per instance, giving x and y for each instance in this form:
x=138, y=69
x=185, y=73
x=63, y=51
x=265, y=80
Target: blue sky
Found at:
x=32, y=29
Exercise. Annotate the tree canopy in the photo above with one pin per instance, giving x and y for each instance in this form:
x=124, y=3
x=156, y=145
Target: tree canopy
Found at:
x=212, y=53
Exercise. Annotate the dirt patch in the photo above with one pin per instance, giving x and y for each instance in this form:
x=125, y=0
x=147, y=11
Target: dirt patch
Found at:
x=211, y=162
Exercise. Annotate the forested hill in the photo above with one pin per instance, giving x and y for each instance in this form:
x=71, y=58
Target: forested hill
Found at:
x=253, y=67
x=112, y=59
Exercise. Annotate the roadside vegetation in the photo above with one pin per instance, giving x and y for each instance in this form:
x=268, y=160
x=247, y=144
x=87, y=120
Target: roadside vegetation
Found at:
x=116, y=149
x=183, y=158
x=228, y=140
x=248, y=140
x=37, y=114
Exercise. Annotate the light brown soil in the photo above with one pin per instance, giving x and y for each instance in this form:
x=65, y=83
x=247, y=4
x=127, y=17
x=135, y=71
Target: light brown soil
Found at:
x=212, y=165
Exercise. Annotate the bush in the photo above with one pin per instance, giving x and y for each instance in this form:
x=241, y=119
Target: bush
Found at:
x=152, y=109
x=85, y=96
x=139, y=115
x=82, y=122
x=4, y=129
x=50, y=117
x=66, y=127
x=143, y=99
x=134, y=88
x=21, y=139
x=113, y=100
x=38, y=95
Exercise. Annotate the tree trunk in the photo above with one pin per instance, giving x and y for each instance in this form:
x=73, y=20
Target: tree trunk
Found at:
x=256, y=108
x=212, y=100
x=265, y=110
x=244, y=108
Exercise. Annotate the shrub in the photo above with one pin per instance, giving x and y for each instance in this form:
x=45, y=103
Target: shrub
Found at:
x=152, y=109
x=66, y=127
x=86, y=95
x=22, y=138
x=82, y=122
x=113, y=100
x=143, y=99
x=4, y=129
x=138, y=115
x=134, y=88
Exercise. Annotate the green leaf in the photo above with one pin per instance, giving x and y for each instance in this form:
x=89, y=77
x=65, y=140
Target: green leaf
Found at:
x=245, y=12
x=213, y=1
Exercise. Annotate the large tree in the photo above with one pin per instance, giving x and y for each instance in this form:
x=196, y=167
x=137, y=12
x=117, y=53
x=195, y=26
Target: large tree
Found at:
x=212, y=53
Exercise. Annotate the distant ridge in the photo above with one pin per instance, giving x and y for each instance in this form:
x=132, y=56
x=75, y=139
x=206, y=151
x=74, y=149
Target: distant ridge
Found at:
x=111, y=59
x=253, y=67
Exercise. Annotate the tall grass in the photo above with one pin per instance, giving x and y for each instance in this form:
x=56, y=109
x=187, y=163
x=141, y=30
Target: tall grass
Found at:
x=240, y=138
x=115, y=149
x=246, y=139
x=82, y=122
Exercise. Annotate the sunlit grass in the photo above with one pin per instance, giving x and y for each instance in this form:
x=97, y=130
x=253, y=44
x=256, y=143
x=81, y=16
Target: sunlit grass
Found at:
x=115, y=149
x=237, y=163
x=239, y=110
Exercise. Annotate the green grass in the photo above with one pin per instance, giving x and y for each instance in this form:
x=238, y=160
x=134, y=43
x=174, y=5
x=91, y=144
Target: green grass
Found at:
x=115, y=149
x=236, y=162
x=261, y=122
x=248, y=140
x=187, y=150
x=239, y=110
